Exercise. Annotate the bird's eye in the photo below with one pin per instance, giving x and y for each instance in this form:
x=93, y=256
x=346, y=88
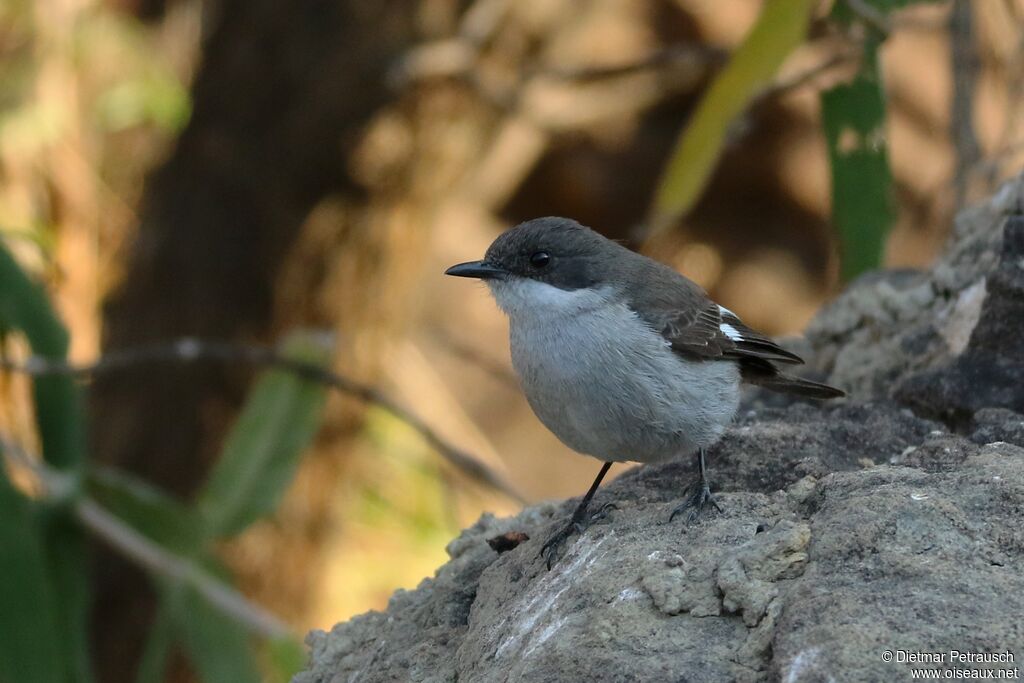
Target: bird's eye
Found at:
x=539, y=259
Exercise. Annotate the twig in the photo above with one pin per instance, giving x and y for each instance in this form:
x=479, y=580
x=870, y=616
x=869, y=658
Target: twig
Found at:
x=151, y=556
x=965, y=74
x=456, y=57
x=870, y=15
x=190, y=350
x=989, y=168
x=802, y=78
x=679, y=55
x=143, y=552
x=471, y=354
x=482, y=20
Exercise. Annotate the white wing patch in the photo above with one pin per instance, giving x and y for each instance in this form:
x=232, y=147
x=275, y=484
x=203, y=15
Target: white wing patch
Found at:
x=727, y=329
x=730, y=332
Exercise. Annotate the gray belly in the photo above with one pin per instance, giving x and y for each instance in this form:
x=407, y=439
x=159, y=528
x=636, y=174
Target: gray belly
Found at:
x=609, y=387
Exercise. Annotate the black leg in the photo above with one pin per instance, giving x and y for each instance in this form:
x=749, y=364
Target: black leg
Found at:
x=579, y=520
x=701, y=495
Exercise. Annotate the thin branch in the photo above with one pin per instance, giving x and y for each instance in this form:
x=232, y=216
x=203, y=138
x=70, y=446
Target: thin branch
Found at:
x=965, y=76
x=870, y=15
x=147, y=554
x=471, y=354
x=55, y=485
x=691, y=55
x=990, y=167
x=191, y=350
x=136, y=547
x=808, y=75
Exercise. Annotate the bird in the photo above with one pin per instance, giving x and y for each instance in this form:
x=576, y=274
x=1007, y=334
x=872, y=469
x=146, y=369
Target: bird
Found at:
x=622, y=357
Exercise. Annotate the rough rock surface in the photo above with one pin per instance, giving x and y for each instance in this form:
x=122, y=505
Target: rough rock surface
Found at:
x=890, y=521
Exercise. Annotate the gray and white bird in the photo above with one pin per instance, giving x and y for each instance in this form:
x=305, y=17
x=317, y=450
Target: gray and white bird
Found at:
x=620, y=356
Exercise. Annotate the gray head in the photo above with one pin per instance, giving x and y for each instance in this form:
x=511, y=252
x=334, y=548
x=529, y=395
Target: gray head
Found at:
x=558, y=252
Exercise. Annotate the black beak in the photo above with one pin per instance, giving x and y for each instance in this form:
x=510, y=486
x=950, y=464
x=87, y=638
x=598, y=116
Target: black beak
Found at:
x=480, y=269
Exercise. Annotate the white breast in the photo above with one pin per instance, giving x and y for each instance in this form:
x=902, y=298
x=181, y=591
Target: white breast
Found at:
x=607, y=384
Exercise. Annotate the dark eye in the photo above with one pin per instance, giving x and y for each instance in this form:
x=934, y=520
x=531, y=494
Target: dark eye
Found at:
x=539, y=259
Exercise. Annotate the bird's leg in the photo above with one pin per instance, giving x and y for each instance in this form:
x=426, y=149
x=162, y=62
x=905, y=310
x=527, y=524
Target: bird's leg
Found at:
x=700, y=496
x=579, y=520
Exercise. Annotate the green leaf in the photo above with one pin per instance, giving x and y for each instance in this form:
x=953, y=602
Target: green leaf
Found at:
x=781, y=27
x=29, y=633
x=59, y=417
x=862, y=208
x=67, y=557
x=159, y=644
x=220, y=648
x=157, y=98
x=842, y=10
x=285, y=658
x=279, y=420
x=149, y=510
x=24, y=306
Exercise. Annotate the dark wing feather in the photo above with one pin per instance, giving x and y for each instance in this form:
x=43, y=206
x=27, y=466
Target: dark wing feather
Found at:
x=695, y=325
x=713, y=332
x=753, y=343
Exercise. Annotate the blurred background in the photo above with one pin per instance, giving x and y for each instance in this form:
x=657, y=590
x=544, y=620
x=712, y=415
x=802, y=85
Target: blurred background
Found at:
x=236, y=170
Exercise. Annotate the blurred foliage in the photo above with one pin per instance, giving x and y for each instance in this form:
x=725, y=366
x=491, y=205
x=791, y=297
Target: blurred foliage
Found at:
x=24, y=307
x=156, y=99
x=781, y=27
x=42, y=557
x=853, y=118
x=263, y=450
x=123, y=84
x=55, y=540
x=853, y=115
x=28, y=621
x=86, y=103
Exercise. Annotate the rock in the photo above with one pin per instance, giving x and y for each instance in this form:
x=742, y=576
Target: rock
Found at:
x=881, y=558
x=887, y=522
x=998, y=424
x=946, y=342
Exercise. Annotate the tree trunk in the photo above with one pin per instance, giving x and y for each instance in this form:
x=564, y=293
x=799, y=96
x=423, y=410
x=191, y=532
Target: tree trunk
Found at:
x=282, y=94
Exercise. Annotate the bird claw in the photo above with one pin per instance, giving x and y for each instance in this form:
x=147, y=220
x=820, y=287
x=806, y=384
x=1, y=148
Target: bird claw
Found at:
x=602, y=514
x=696, y=503
x=549, y=550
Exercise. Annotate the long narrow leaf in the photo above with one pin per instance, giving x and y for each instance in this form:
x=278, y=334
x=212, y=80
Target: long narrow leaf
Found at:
x=843, y=10
x=781, y=27
x=862, y=208
x=159, y=645
x=59, y=417
x=24, y=306
x=220, y=649
x=66, y=555
x=853, y=115
x=148, y=510
x=285, y=657
x=278, y=422
x=29, y=633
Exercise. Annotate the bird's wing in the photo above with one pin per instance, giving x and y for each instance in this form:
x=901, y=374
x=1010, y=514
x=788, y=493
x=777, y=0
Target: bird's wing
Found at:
x=695, y=325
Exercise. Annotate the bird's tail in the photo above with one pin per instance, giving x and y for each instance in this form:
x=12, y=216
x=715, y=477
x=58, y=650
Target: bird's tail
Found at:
x=768, y=376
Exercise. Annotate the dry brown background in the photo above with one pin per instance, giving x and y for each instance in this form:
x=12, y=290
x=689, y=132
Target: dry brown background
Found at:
x=234, y=169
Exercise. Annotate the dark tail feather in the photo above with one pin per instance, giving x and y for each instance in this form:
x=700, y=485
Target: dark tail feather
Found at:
x=762, y=373
x=787, y=384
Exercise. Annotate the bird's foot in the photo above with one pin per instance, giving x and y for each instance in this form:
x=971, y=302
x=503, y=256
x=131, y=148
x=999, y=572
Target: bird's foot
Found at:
x=696, y=502
x=577, y=524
